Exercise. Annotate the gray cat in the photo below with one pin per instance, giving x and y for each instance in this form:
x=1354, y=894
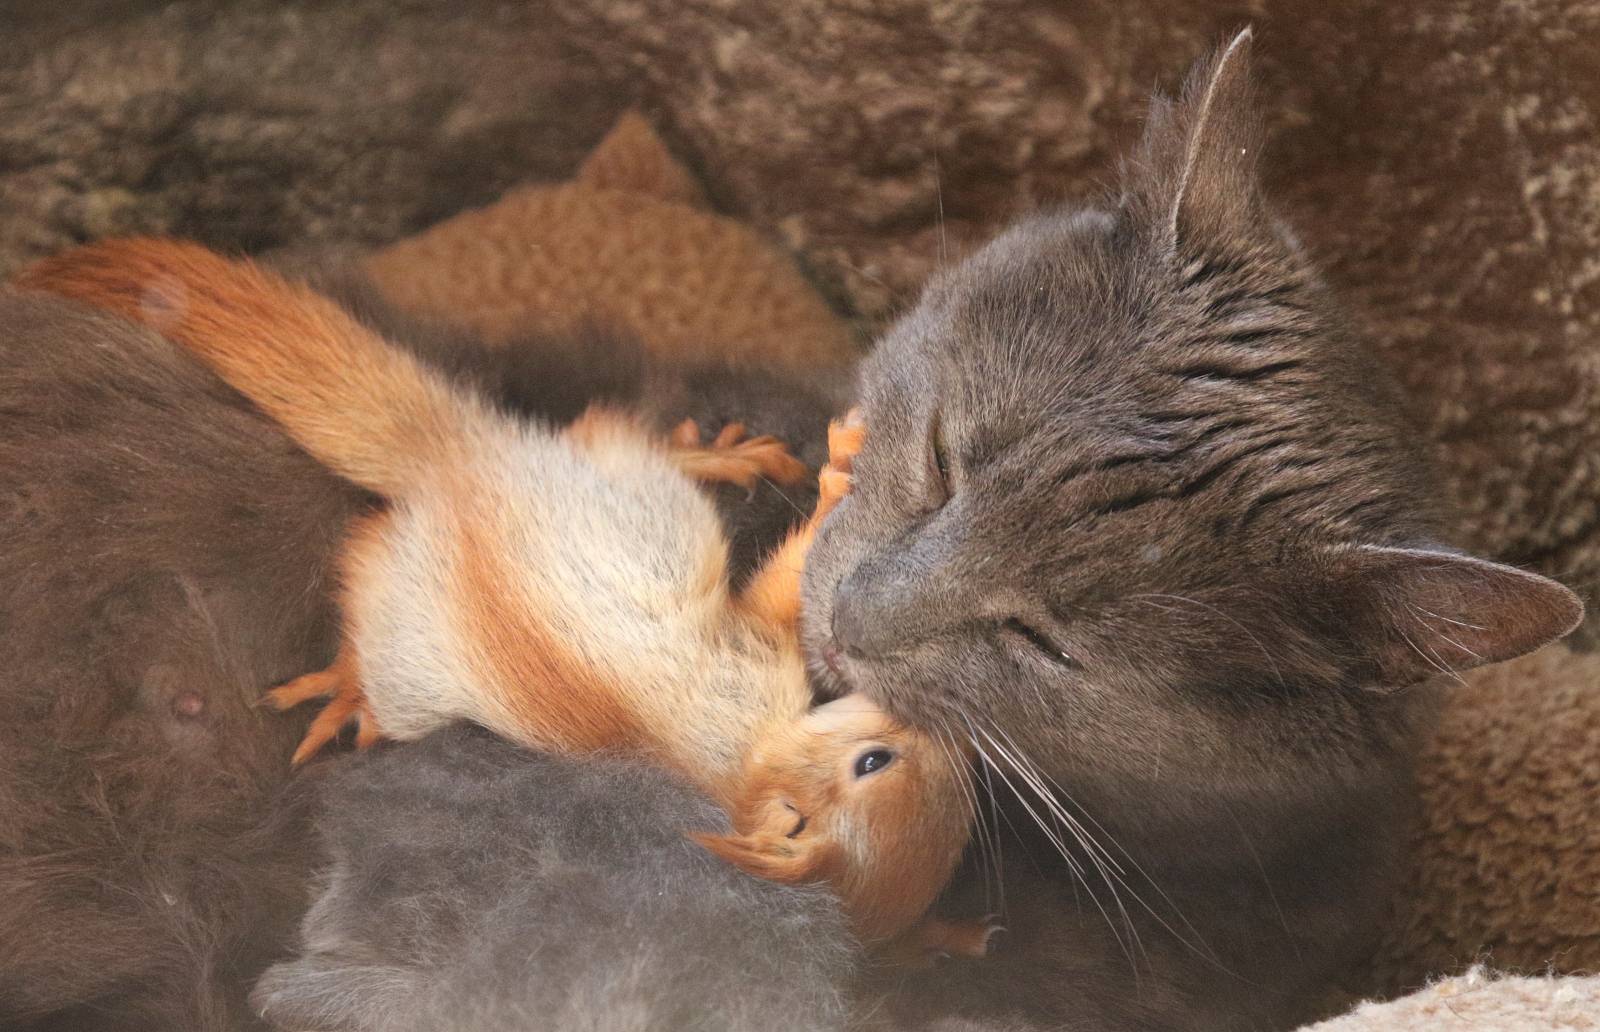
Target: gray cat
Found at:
x=1138, y=516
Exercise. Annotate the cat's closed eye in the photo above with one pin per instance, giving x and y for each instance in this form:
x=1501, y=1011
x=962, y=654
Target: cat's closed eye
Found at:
x=1025, y=636
x=937, y=477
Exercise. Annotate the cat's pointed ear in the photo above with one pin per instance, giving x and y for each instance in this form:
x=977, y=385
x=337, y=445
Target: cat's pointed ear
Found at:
x=1419, y=612
x=1195, y=176
x=772, y=857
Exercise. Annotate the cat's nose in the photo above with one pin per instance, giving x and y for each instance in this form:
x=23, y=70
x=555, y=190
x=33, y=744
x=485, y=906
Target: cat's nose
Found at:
x=870, y=613
x=854, y=624
x=910, y=592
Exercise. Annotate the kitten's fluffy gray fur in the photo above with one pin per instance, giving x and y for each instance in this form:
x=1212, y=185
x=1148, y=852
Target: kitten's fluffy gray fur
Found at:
x=473, y=885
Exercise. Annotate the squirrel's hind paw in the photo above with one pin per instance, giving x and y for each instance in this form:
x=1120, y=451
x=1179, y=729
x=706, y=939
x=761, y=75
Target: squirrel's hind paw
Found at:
x=347, y=703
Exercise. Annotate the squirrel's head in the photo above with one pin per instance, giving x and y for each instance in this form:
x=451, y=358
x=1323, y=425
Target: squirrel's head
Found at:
x=851, y=797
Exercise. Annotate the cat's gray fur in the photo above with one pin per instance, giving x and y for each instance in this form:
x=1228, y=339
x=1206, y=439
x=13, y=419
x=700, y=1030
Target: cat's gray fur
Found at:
x=474, y=885
x=1138, y=515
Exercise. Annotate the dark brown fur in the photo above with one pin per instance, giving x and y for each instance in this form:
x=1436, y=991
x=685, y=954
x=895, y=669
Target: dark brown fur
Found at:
x=164, y=554
x=1137, y=514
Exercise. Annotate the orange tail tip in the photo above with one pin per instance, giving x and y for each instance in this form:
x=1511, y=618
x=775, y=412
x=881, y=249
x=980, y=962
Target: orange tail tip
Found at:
x=112, y=275
x=363, y=407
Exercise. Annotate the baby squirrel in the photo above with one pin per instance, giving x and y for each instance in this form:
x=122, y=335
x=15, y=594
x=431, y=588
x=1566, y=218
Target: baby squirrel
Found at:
x=568, y=590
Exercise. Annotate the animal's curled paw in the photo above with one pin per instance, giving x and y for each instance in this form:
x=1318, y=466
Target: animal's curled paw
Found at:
x=733, y=458
x=346, y=703
x=845, y=439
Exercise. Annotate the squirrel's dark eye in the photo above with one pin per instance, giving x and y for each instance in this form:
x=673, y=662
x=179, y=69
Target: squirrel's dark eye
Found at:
x=1043, y=645
x=873, y=761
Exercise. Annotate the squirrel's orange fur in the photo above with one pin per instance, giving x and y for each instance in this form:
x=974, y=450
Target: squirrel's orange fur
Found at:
x=567, y=590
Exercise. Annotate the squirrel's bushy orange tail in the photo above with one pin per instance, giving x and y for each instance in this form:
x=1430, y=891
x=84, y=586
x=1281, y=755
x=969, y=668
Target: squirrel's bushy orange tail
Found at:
x=364, y=408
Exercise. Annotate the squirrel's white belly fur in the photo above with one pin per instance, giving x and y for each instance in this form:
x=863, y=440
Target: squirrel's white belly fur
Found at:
x=603, y=546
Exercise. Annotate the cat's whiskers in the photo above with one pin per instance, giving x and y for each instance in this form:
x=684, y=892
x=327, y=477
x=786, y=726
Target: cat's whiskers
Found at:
x=988, y=862
x=996, y=814
x=1053, y=833
x=786, y=499
x=1057, y=793
x=1050, y=793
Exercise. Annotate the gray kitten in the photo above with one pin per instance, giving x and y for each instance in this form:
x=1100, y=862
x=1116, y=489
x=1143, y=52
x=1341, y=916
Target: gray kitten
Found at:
x=1138, y=516
x=475, y=885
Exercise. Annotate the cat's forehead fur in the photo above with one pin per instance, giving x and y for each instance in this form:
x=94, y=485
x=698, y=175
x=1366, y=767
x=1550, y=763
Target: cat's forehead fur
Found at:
x=1097, y=395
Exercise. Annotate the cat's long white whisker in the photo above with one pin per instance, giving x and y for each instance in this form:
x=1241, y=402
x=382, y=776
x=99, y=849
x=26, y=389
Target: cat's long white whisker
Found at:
x=969, y=793
x=995, y=813
x=1203, y=949
x=1053, y=834
x=1072, y=863
x=1030, y=772
x=1111, y=878
x=999, y=812
x=786, y=499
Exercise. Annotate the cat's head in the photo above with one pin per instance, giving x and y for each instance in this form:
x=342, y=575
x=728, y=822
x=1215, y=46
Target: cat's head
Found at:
x=1134, y=497
x=850, y=797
